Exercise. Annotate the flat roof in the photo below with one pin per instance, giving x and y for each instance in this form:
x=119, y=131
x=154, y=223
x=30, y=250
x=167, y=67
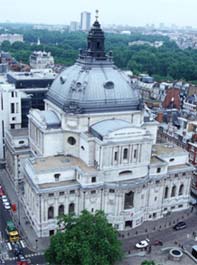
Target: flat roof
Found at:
x=18, y=132
x=59, y=162
x=33, y=75
x=168, y=149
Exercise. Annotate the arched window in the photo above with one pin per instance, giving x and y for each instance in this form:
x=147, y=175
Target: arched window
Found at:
x=125, y=172
x=166, y=192
x=71, y=208
x=125, y=153
x=128, y=200
x=50, y=212
x=181, y=188
x=173, y=193
x=61, y=209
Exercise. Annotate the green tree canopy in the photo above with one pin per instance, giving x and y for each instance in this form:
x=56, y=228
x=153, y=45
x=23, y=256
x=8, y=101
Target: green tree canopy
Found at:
x=148, y=262
x=86, y=240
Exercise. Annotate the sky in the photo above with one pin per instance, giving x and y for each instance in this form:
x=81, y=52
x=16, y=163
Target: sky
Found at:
x=119, y=12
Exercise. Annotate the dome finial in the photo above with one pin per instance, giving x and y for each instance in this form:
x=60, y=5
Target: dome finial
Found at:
x=97, y=14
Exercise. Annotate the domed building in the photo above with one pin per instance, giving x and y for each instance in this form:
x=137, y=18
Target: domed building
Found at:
x=94, y=148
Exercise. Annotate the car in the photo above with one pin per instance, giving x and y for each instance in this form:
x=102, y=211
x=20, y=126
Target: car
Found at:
x=157, y=243
x=180, y=226
x=4, y=198
x=7, y=205
x=21, y=257
x=1, y=192
x=17, y=249
x=143, y=244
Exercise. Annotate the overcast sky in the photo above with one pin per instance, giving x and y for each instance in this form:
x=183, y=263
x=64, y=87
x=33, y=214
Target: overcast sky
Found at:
x=131, y=12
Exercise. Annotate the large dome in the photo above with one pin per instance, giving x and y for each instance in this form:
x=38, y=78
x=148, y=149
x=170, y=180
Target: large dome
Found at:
x=93, y=83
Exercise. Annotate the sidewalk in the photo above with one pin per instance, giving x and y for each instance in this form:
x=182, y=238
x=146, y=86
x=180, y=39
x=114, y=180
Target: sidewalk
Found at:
x=26, y=231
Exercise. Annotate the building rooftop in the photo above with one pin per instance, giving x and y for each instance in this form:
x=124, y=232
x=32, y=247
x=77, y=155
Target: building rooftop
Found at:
x=18, y=132
x=168, y=150
x=33, y=75
x=107, y=126
x=58, y=163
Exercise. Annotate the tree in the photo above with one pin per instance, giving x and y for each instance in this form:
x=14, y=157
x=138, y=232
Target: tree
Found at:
x=148, y=262
x=85, y=240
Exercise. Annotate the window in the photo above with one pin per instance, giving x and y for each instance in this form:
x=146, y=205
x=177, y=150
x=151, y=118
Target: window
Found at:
x=116, y=156
x=158, y=170
x=166, y=192
x=12, y=108
x=184, y=174
x=173, y=207
x=135, y=153
x=176, y=175
x=61, y=193
x=61, y=209
x=92, y=210
x=165, y=209
x=71, y=208
x=72, y=191
x=125, y=172
x=180, y=206
x=51, y=194
x=128, y=200
x=71, y=140
x=13, y=118
x=21, y=142
x=12, y=126
x=181, y=188
x=50, y=212
x=154, y=215
x=171, y=159
x=155, y=198
x=125, y=153
x=57, y=177
x=157, y=181
x=111, y=191
x=93, y=191
x=93, y=179
x=173, y=193
x=12, y=94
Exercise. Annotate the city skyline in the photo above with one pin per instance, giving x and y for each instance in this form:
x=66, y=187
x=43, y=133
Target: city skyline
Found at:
x=132, y=13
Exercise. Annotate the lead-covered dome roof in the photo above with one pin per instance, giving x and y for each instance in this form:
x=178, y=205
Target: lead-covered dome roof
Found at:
x=93, y=84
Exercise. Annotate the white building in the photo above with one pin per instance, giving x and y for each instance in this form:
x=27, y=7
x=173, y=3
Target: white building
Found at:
x=85, y=21
x=41, y=60
x=92, y=149
x=11, y=38
x=10, y=111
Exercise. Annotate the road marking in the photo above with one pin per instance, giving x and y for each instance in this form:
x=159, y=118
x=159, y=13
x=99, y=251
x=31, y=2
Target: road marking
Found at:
x=22, y=243
x=9, y=246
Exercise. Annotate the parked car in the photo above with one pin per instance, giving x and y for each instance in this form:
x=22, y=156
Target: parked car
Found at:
x=7, y=205
x=180, y=226
x=143, y=243
x=157, y=243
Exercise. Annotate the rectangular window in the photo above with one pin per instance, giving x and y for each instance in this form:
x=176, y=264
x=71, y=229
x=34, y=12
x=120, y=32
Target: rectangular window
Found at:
x=72, y=191
x=93, y=179
x=51, y=194
x=158, y=170
x=111, y=190
x=116, y=156
x=125, y=153
x=12, y=94
x=12, y=108
x=61, y=193
x=93, y=191
x=135, y=153
x=12, y=126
